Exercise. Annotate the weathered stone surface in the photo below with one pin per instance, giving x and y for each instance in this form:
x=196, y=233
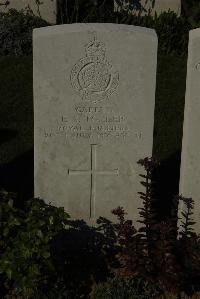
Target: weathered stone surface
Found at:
x=94, y=94
x=47, y=10
x=190, y=159
x=159, y=7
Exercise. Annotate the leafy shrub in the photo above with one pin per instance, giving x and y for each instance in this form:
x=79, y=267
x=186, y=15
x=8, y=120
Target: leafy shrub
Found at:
x=25, y=243
x=133, y=5
x=16, y=32
x=129, y=288
x=156, y=252
x=181, y=296
x=16, y=27
x=191, y=11
x=45, y=255
x=83, y=11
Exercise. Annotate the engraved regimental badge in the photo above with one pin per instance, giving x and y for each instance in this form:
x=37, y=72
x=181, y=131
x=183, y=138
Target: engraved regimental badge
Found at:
x=93, y=76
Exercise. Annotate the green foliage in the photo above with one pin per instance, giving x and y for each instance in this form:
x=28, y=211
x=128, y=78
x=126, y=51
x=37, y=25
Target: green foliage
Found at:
x=182, y=295
x=134, y=5
x=42, y=247
x=172, y=31
x=147, y=213
x=84, y=11
x=16, y=27
x=125, y=288
x=191, y=12
x=25, y=242
x=187, y=222
x=16, y=32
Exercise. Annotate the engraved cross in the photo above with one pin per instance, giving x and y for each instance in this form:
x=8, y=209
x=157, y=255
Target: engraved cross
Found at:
x=93, y=172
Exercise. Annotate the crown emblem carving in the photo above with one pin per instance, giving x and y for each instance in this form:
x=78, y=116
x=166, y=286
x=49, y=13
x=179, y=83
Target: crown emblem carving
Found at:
x=93, y=76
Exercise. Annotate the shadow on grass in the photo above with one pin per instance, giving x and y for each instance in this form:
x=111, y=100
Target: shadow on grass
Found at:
x=18, y=176
x=7, y=135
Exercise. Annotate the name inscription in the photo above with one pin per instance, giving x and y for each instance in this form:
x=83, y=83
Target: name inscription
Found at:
x=90, y=122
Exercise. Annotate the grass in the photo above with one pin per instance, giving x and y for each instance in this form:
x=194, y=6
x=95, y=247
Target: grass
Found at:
x=16, y=107
x=16, y=125
x=16, y=122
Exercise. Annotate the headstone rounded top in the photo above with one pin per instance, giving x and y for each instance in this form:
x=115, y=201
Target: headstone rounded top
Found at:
x=77, y=27
x=194, y=33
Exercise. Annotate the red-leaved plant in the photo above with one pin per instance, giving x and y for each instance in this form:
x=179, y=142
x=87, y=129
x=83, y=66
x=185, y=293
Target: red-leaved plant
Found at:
x=155, y=251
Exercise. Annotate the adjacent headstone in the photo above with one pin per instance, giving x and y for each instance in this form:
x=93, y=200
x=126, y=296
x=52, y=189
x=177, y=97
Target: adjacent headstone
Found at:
x=190, y=159
x=47, y=10
x=94, y=94
x=157, y=6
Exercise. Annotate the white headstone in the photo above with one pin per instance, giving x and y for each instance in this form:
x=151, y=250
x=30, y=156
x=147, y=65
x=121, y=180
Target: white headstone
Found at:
x=190, y=159
x=47, y=8
x=94, y=94
x=159, y=6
